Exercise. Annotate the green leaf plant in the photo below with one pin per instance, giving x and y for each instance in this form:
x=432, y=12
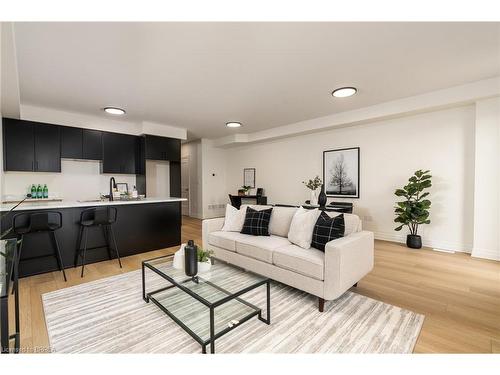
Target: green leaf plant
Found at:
x=414, y=210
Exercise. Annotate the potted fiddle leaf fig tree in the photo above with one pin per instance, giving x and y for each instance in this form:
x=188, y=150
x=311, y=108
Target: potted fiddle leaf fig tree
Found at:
x=414, y=209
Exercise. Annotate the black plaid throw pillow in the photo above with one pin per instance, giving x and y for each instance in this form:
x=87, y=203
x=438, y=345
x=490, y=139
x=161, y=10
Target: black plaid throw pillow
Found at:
x=326, y=229
x=257, y=222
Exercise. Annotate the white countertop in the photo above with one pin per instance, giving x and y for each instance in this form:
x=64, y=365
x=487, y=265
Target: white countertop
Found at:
x=27, y=205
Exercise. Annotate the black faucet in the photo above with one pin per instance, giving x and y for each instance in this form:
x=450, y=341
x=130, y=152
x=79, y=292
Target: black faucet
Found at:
x=112, y=185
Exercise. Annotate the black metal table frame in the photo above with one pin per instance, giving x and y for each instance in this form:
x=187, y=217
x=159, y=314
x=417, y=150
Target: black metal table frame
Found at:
x=213, y=336
x=16, y=336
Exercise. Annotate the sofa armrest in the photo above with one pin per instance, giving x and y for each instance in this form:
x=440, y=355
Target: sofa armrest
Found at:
x=347, y=260
x=209, y=226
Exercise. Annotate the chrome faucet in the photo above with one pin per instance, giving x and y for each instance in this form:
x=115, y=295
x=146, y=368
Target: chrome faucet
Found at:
x=112, y=185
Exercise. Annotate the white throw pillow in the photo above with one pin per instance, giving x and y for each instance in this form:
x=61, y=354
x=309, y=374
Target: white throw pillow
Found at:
x=234, y=219
x=302, y=227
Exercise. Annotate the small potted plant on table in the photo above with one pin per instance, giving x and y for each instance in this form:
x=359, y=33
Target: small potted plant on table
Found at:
x=245, y=189
x=204, y=260
x=414, y=210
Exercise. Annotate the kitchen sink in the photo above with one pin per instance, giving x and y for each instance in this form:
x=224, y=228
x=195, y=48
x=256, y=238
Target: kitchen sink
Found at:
x=92, y=200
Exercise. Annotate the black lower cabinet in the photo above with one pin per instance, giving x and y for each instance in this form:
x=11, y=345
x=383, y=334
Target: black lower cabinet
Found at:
x=139, y=228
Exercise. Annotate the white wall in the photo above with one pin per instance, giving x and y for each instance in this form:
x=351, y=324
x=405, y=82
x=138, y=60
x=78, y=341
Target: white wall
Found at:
x=77, y=180
x=391, y=150
x=214, y=180
x=192, y=152
x=487, y=180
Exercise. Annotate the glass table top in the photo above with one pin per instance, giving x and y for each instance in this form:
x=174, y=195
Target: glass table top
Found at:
x=224, y=279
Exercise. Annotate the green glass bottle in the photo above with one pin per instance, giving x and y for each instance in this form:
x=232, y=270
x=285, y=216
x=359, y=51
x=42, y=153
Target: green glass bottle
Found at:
x=39, y=191
x=33, y=191
x=45, y=191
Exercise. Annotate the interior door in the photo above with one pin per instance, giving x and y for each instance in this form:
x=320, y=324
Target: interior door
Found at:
x=185, y=186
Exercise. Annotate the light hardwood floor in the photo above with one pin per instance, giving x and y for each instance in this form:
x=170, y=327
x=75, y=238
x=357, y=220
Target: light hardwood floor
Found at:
x=459, y=295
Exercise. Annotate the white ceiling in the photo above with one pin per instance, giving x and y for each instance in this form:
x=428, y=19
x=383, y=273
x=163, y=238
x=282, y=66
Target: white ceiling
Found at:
x=201, y=75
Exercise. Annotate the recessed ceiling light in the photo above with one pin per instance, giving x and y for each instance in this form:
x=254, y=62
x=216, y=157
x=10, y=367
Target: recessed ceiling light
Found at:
x=233, y=124
x=114, y=110
x=344, y=92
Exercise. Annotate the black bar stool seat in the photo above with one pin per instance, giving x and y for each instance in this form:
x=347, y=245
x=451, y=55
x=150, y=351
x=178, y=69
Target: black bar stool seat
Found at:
x=103, y=217
x=26, y=223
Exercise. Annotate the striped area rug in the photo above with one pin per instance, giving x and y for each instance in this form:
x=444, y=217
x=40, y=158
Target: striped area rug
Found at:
x=110, y=316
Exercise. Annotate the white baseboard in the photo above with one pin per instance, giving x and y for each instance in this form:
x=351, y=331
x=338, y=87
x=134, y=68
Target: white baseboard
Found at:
x=486, y=254
x=435, y=244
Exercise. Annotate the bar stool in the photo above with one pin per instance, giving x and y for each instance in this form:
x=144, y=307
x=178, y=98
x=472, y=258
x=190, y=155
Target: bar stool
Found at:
x=24, y=224
x=102, y=217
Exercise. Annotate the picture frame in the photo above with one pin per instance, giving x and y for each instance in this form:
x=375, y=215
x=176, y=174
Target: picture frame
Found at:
x=249, y=177
x=341, y=175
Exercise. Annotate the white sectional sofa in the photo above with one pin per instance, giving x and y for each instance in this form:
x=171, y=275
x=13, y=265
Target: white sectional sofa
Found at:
x=326, y=275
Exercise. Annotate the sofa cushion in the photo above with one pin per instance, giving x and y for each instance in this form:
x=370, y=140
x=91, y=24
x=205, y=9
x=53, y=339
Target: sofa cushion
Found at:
x=352, y=222
x=260, y=248
x=226, y=240
x=257, y=222
x=308, y=262
x=327, y=229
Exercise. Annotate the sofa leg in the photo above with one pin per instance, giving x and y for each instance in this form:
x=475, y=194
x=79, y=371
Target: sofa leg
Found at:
x=355, y=285
x=321, y=304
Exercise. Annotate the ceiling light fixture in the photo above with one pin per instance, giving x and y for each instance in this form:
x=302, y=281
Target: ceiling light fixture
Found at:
x=233, y=124
x=344, y=92
x=114, y=111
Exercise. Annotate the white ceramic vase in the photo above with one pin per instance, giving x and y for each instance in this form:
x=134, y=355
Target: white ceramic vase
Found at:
x=314, y=197
x=204, y=266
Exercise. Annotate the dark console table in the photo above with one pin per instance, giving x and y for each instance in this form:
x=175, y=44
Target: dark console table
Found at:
x=345, y=208
x=256, y=199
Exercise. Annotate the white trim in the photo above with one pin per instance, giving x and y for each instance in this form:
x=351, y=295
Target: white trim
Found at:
x=486, y=254
x=434, y=244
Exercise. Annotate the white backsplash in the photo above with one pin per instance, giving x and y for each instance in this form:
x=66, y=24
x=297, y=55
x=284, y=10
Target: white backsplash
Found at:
x=79, y=179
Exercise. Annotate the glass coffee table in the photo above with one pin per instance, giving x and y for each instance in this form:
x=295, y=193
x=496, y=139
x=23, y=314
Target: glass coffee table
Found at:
x=208, y=305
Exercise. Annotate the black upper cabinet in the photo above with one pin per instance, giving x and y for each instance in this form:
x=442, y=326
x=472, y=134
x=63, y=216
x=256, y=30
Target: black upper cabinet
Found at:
x=92, y=144
x=47, y=148
x=173, y=149
x=78, y=143
x=19, y=145
x=119, y=153
x=162, y=148
x=31, y=146
x=71, y=142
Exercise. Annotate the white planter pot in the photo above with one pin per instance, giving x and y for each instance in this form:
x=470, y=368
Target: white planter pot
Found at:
x=204, y=266
x=314, y=197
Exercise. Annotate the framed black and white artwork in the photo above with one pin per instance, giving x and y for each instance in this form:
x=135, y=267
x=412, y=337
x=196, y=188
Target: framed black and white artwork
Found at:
x=341, y=172
x=249, y=177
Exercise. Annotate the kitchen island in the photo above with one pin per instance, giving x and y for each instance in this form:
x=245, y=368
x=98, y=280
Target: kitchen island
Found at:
x=142, y=225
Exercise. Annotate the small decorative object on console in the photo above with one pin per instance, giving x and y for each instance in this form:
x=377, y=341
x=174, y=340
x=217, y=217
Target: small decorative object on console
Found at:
x=313, y=185
x=245, y=189
x=191, y=259
x=322, y=197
